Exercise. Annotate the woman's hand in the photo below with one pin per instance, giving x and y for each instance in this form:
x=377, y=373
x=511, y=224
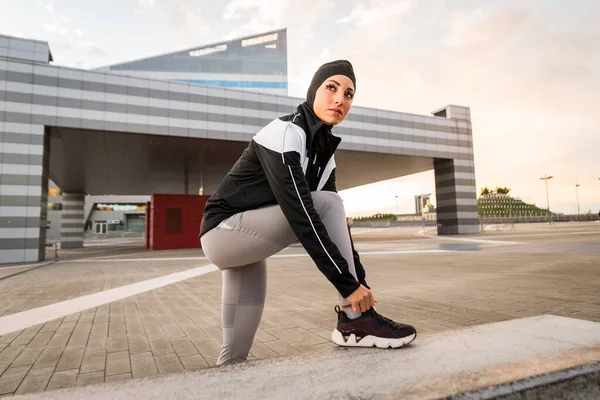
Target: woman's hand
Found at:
x=361, y=299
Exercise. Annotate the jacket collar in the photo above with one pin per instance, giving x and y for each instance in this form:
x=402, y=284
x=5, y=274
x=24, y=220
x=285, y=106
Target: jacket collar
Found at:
x=325, y=142
x=313, y=123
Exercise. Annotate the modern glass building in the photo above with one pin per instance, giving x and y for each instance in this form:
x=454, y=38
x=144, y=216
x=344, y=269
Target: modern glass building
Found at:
x=253, y=63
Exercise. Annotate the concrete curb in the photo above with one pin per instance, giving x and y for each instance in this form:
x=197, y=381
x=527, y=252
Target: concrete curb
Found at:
x=585, y=379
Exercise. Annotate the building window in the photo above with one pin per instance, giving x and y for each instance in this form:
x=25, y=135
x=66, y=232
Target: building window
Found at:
x=55, y=206
x=120, y=207
x=54, y=192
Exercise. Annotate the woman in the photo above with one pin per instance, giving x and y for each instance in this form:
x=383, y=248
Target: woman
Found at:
x=282, y=189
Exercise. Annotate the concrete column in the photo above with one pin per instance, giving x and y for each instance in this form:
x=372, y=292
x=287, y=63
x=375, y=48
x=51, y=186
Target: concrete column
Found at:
x=456, y=191
x=456, y=197
x=23, y=191
x=71, y=228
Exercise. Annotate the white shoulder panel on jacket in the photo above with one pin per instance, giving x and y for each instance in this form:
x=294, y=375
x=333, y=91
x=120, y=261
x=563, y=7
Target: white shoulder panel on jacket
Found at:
x=327, y=173
x=282, y=136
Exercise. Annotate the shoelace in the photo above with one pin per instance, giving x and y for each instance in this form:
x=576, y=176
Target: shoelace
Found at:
x=383, y=319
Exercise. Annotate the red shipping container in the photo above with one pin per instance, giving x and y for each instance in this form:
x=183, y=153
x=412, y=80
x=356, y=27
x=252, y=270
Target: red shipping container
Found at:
x=174, y=221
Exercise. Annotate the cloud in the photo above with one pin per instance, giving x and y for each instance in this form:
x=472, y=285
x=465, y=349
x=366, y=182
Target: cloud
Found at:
x=184, y=18
x=325, y=53
x=56, y=29
x=67, y=41
x=46, y=5
x=367, y=13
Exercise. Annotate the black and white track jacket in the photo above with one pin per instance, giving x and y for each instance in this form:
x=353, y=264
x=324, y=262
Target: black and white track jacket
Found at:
x=286, y=161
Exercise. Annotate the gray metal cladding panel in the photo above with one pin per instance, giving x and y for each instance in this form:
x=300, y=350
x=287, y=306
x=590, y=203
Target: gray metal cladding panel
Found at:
x=72, y=234
x=70, y=103
x=43, y=119
x=99, y=87
x=216, y=118
x=17, y=97
x=26, y=159
x=21, y=201
x=135, y=91
x=8, y=179
x=78, y=225
x=70, y=83
x=448, y=170
x=13, y=244
x=45, y=80
x=18, y=118
x=234, y=103
x=235, y=119
x=455, y=208
x=182, y=114
x=115, y=107
x=177, y=96
x=455, y=195
x=121, y=89
x=21, y=77
x=455, y=182
x=443, y=163
x=19, y=222
x=19, y=138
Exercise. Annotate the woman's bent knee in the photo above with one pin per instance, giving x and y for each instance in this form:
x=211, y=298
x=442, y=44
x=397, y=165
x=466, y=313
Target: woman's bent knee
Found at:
x=326, y=201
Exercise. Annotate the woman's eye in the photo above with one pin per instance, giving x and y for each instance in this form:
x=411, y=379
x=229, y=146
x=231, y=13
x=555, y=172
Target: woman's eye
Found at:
x=350, y=96
x=330, y=87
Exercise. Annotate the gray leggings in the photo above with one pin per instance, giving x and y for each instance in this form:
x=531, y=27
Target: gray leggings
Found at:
x=240, y=245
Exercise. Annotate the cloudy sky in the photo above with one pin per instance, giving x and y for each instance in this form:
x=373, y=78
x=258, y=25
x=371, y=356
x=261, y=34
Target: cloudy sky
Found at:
x=529, y=70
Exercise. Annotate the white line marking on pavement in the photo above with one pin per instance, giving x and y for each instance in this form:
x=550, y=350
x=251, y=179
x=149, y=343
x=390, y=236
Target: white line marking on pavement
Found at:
x=97, y=260
x=549, y=234
x=25, y=319
x=472, y=240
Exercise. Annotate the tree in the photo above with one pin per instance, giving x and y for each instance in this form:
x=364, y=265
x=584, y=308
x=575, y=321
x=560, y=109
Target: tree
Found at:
x=485, y=190
x=503, y=190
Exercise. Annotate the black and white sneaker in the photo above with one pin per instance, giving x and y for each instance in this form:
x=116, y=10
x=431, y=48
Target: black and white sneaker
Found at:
x=371, y=330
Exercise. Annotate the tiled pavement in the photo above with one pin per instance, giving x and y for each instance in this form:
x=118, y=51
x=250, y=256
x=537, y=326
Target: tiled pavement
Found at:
x=177, y=327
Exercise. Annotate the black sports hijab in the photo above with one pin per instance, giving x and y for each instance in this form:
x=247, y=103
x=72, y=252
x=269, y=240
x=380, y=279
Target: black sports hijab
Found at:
x=339, y=67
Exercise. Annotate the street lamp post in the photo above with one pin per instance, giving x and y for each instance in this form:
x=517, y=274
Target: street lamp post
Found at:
x=545, y=178
x=577, y=193
x=396, y=206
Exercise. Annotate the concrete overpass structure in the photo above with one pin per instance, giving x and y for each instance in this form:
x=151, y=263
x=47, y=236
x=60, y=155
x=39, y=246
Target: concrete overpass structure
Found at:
x=100, y=133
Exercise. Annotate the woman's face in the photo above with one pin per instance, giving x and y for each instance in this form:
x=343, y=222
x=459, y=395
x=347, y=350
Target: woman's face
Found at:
x=333, y=99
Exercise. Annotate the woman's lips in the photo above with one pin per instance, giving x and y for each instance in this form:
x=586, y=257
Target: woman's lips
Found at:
x=335, y=111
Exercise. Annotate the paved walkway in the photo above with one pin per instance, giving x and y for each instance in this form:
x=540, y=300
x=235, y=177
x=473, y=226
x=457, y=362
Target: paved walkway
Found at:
x=437, y=284
x=433, y=368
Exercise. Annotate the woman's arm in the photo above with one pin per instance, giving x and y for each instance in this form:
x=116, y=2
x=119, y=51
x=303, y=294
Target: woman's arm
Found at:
x=279, y=155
